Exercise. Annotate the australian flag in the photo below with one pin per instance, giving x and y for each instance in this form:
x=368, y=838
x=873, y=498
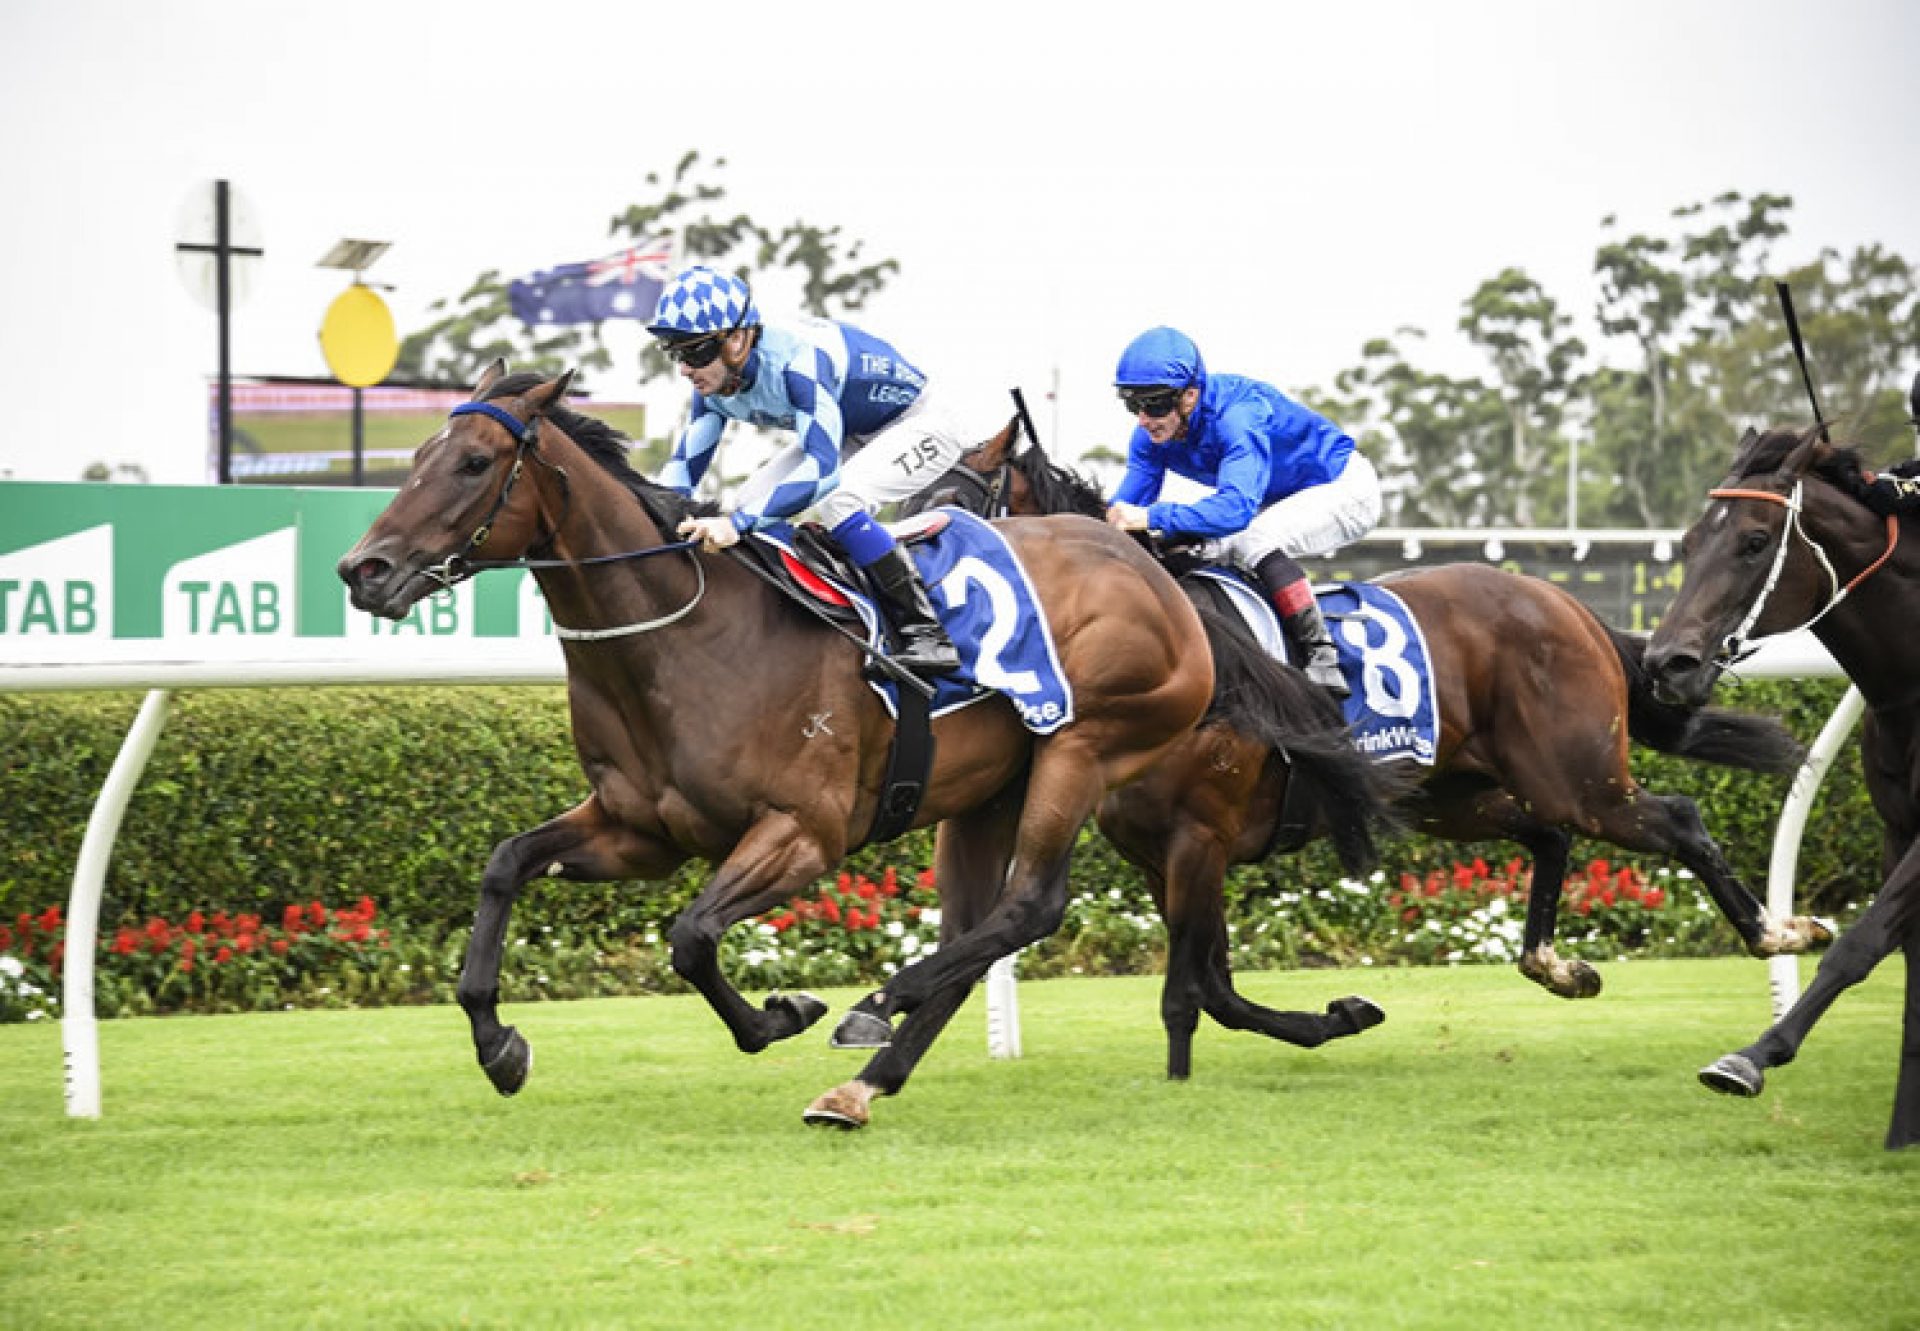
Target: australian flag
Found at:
x=624, y=285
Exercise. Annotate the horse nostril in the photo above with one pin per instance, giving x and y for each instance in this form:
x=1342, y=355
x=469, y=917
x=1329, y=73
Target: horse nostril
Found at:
x=364, y=572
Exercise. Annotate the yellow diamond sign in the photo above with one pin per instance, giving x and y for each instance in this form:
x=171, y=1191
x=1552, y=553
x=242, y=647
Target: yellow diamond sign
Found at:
x=358, y=339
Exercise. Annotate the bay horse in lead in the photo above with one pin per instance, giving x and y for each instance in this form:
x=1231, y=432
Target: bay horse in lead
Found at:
x=714, y=720
x=1537, y=698
x=1801, y=535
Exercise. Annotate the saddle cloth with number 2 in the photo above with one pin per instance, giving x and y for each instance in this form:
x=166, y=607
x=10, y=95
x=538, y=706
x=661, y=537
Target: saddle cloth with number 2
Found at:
x=988, y=607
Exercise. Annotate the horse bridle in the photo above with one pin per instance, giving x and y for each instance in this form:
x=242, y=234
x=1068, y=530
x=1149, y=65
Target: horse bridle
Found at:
x=458, y=567
x=991, y=487
x=1734, y=648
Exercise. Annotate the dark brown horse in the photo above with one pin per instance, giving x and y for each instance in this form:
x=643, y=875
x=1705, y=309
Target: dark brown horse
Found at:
x=713, y=719
x=1537, y=700
x=1792, y=538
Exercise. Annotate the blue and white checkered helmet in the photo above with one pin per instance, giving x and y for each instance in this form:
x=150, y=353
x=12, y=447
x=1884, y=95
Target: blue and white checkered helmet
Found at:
x=700, y=300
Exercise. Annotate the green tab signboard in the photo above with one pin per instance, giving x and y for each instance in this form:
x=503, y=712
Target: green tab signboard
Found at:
x=213, y=573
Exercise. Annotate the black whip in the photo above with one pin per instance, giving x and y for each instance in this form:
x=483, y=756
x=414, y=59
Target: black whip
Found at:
x=1800, y=354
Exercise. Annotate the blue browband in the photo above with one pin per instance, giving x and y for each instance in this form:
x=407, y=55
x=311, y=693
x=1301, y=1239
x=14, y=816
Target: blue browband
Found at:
x=524, y=431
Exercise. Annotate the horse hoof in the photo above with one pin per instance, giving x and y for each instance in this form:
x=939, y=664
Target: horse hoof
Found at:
x=1357, y=1013
x=843, y=1107
x=508, y=1069
x=1584, y=981
x=803, y=1008
x=1733, y=1074
x=1820, y=932
x=861, y=1030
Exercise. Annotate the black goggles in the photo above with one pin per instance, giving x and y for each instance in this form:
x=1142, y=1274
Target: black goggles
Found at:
x=695, y=353
x=1154, y=402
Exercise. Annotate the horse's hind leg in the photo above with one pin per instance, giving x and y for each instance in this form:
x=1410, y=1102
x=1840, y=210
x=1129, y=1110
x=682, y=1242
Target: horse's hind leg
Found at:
x=969, y=861
x=1200, y=965
x=582, y=844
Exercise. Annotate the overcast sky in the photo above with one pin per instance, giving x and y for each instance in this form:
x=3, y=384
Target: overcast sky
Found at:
x=1283, y=181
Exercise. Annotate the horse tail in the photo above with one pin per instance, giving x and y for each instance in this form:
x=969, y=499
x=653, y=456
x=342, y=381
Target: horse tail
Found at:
x=1261, y=700
x=1720, y=735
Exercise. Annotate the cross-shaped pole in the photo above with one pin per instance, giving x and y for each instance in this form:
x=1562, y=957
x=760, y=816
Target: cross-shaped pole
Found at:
x=223, y=250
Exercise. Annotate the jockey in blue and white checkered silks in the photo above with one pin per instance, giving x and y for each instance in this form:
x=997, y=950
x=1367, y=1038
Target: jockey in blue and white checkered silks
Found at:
x=1286, y=482
x=867, y=431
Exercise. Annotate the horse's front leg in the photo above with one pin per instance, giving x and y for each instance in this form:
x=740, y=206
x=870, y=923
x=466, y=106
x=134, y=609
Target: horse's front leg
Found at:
x=1539, y=961
x=1487, y=815
x=583, y=844
x=776, y=859
x=1891, y=919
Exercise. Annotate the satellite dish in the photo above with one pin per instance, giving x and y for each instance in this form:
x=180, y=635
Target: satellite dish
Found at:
x=197, y=244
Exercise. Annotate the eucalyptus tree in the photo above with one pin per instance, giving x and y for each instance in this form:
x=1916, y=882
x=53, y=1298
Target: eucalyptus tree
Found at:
x=1537, y=361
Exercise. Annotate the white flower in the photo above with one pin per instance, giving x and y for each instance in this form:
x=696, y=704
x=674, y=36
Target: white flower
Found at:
x=11, y=968
x=895, y=929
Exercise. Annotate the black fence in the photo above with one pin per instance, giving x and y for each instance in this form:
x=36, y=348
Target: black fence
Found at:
x=1628, y=578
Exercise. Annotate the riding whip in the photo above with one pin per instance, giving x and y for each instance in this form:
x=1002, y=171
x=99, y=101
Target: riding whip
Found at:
x=1800, y=354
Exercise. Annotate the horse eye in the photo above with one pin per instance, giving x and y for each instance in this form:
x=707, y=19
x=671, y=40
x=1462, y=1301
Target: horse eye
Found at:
x=475, y=464
x=1755, y=542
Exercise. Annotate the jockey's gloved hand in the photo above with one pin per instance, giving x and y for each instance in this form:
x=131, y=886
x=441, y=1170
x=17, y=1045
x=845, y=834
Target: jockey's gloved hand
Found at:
x=714, y=534
x=1127, y=517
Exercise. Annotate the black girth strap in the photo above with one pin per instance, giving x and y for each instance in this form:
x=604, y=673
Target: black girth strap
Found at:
x=1294, y=827
x=909, y=760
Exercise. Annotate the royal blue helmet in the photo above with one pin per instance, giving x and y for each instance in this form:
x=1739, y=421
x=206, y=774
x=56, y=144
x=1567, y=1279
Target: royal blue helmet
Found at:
x=1160, y=358
x=701, y=300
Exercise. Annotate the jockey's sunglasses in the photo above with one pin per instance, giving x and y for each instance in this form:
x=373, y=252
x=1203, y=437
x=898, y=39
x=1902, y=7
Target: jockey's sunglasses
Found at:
x=1154, y=402
x=697, y=353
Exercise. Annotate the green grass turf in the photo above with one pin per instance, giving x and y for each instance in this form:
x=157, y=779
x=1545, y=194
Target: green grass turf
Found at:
x=1491, y=1157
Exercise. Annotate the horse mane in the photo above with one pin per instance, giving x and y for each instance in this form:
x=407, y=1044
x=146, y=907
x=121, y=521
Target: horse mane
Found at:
x=1057, y=489
x=607, y=446
x=1841, y=466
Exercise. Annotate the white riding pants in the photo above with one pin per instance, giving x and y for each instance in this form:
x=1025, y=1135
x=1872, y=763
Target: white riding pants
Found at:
x=1313, y=521
x=921, y=444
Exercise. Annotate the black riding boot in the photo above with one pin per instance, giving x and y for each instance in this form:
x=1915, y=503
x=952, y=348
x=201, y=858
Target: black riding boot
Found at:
x=1319, y=660
x=925, y=648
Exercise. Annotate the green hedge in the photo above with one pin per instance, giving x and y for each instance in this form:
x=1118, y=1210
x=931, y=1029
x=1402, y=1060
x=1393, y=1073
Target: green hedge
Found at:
x=259, y=798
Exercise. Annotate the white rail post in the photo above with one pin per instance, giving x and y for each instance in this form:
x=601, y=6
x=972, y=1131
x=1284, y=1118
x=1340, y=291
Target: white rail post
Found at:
x=79, y=1031
x=1003, y=1010
x=1783, y=973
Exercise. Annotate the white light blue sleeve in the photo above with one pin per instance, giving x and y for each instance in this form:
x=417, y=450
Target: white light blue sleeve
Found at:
x=693, y=451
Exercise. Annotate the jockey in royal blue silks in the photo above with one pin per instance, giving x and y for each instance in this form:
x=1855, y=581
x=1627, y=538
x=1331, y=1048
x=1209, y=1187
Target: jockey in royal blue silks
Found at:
x=1287, y=482
x=848, y=397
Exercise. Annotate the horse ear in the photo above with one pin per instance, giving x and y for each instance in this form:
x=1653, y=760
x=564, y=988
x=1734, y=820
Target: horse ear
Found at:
x=488, y=377
x=544, y=398
x=1806, y=454
x=1741, y=452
